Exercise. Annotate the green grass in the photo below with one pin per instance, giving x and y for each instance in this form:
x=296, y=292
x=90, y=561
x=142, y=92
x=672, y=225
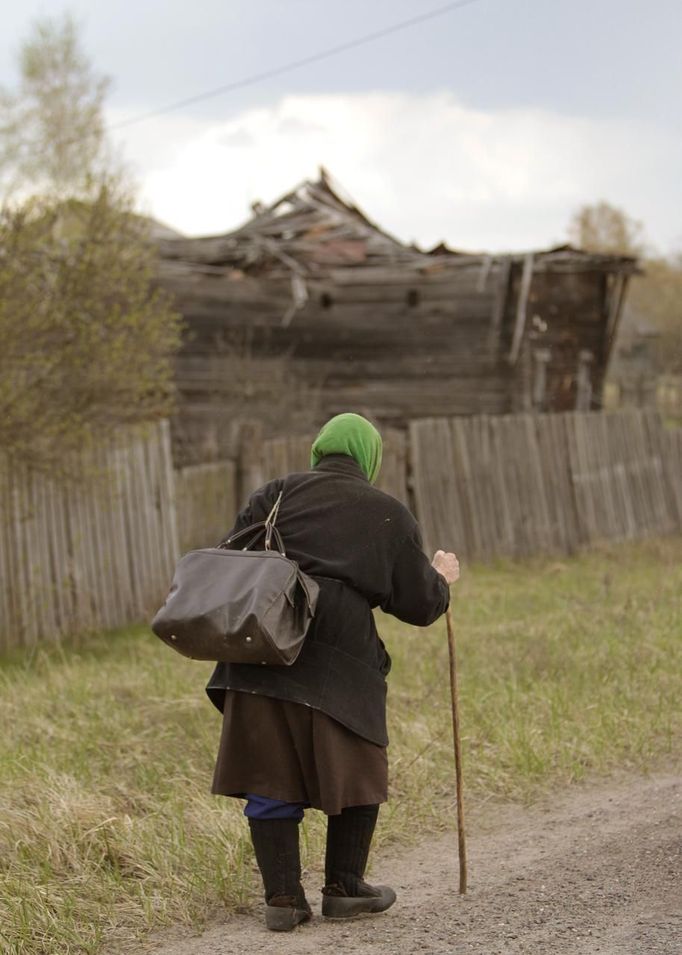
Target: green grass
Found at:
x=107, y=826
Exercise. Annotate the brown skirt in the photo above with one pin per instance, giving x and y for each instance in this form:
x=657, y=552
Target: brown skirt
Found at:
x=295, y=753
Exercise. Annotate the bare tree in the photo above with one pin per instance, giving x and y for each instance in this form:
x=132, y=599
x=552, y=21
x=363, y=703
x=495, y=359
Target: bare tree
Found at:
x=52, y=130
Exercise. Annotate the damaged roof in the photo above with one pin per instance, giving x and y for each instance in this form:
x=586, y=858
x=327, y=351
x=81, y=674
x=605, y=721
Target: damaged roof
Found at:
x=315, y=230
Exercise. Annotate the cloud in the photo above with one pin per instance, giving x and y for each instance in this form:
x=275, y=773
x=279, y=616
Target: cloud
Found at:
x=425, y=166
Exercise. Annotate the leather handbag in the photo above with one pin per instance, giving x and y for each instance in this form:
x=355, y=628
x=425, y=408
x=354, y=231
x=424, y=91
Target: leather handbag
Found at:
x=239, y=606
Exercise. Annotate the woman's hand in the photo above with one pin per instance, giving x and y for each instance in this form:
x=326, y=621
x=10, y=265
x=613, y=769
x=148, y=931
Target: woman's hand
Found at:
x=447, y=565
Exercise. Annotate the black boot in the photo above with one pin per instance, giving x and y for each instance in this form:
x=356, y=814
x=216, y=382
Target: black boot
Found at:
x=345, y=894
x=275, y=842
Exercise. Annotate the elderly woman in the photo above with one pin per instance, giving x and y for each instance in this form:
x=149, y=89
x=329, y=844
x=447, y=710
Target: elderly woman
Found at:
x=313, y=734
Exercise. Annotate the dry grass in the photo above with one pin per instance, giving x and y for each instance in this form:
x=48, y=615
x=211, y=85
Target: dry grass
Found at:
x=106, y=825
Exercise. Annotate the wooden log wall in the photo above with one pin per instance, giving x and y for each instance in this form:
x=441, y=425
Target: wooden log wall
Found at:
x=389, y=348
x=95, y=554
x=523, y=485
x=495, y=337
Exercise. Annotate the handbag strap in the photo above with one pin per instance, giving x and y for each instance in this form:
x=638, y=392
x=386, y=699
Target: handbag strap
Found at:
x=257, y=529
x=270, y=522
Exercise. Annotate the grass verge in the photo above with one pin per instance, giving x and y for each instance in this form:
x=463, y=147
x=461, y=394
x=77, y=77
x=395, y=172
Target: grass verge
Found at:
x=107, y=828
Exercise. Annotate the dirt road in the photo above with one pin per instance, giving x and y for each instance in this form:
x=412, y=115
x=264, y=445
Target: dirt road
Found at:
x=595, y=872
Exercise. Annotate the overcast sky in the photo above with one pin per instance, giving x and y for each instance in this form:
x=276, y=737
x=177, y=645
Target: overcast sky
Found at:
x=485, y=127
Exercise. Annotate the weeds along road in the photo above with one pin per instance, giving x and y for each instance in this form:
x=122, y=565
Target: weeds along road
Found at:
x=597, y=871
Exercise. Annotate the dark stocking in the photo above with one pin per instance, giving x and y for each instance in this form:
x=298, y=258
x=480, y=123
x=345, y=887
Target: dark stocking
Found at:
x=349, y=836
x=275, y=842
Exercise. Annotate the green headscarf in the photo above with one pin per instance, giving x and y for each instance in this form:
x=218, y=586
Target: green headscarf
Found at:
x=353, y=435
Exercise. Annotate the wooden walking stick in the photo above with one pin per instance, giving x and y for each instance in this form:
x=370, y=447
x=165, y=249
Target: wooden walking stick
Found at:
x=458, y=756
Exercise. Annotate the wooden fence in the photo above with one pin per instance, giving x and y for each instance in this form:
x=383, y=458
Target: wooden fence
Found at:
x=209, y=495
x=542, y=484
x=96, y=553
x=99, y=553
x=515, y=485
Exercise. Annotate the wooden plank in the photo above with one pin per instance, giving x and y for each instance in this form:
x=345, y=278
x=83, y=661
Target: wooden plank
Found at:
x=119, y=580
x=615, y=307
x=672, y=445
x=652, y=426
x=640, y=478
x=578, y=480
x=134, y=556
x=26, y=629
x=539, y=488
x=10, y=612
x=110, y=591
x=393, y=475
x=46, y=582
x=94, y=502
x=622, y=496
x=564, y=490
x=148, y=537
x=57, y=558
x=460, y=467
x=484, y=466
x=127, y=527
x=522, y=307
x=428, y=505
x=504, y=531
x=81, y=549
x=206, y=503
x=154, y=461
x=509, y=442
x=500, y=305
x=250, y=466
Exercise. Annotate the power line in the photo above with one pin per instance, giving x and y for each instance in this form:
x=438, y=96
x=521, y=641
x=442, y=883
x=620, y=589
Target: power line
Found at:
x=296, y=64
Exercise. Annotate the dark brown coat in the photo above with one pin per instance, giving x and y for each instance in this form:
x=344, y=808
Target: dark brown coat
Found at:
x=364, y=549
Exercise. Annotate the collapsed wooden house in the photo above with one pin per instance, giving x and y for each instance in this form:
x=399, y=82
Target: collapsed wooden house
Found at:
x=364, y=322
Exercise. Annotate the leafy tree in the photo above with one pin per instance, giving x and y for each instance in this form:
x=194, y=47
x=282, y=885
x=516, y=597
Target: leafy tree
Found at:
x=87, y=340
x=606, y=228
x=656, y=295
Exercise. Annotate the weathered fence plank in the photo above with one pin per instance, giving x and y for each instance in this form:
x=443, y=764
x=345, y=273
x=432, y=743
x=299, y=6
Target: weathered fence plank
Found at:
x=672, y=472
